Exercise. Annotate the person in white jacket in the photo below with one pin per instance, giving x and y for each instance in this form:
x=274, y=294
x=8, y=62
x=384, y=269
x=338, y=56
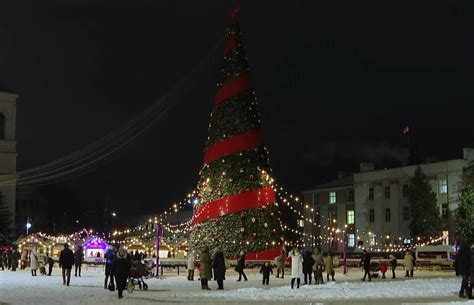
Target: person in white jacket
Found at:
x=191, y=265
x=296, y=267
x=33, y=261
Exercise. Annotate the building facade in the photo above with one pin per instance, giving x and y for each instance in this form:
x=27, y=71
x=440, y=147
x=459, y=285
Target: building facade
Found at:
x=381, y=209
x=8, y=150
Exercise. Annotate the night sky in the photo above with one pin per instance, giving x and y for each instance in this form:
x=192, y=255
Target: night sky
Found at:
x=336, y=83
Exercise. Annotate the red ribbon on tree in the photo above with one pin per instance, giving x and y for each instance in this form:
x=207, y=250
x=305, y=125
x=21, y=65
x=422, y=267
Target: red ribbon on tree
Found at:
x=234, y=86
x=235, y=203
x=232, y=145
x=230, y=44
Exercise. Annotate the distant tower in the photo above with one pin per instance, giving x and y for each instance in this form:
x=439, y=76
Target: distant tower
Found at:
x=8, y=146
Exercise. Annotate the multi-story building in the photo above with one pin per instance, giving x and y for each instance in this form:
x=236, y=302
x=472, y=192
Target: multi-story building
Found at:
x=372, y=206
x=8, y=149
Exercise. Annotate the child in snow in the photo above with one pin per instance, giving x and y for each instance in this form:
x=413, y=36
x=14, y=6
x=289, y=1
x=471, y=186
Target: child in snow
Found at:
x=318, y=274
x=265, y=271
x=383, y=268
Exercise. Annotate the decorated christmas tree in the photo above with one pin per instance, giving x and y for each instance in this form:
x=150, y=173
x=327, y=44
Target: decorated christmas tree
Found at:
x=237, y=210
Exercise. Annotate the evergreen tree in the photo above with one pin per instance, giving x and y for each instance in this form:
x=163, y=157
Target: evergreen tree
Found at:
x=5, y=219
x=425, y=218
x=464, y=217
x=237, y=209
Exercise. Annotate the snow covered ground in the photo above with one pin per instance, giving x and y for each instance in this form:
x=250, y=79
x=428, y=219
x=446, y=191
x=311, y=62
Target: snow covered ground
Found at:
x=428, y=287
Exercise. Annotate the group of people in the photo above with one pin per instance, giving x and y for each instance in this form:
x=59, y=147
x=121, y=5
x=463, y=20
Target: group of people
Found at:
x=9, y=259
x=311, y=264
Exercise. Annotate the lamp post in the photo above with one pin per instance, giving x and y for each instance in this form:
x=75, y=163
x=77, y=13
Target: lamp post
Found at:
x=28, y=225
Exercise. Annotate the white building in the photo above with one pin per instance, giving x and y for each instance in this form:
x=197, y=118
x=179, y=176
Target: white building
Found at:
x=8, y=148
x=379, y=213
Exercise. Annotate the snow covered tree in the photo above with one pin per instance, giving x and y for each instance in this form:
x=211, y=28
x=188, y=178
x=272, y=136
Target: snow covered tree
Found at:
x=5, y=219
x=237, y=209
x=464, y=217
x=425, y=218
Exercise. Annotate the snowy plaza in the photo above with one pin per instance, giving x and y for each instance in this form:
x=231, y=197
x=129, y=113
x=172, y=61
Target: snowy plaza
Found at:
x=427, y=287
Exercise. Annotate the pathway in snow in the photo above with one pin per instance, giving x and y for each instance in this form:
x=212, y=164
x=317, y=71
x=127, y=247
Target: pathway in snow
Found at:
x=430, y=287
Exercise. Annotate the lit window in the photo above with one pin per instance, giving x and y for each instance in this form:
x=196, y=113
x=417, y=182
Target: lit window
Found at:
x=350, y=196
x=351, y=240
x=371, y=215
x=387, y=192
x=443, y=186
x=371, y=193
x=332, y=197
x=387, y=215
x=406, y=213
x=444, y=211
x=350, y=217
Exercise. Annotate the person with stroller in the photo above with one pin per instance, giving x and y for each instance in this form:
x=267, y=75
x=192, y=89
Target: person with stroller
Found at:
x=308, y=263
x=318, y=266
x=66, y=260
x=365, y=262
x=205, y=270
x=240, y=266
x=120, y=269
x=78, y=259
x=265, y=271
x=280, y=264
x=109, y=259
x=191, y=265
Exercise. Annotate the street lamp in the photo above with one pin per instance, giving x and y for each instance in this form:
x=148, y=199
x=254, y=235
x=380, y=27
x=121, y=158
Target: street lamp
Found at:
x=28, y=225
x=114, y=214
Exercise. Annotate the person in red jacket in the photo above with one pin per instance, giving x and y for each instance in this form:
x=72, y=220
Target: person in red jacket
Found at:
x=383, y=268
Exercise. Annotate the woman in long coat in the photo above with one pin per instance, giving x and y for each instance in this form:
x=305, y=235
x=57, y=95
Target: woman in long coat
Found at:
x=120, y=270
x=409, y=265
x=329, y=266
x=296, y=267
x=218, y=264
x=205, y=268
x=33, y=261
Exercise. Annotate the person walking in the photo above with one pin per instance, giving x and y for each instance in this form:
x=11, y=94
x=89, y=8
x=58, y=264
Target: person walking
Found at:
x=296, y=267
x=308, y=262
x=120, y=269
x=365, y=262
x=205, y=270
x=50, y=265
x=329, y=266
x=265, y=271
x=393, y=264
x=218, y=264
x=240, y=266
x=409, y=264
x=280, y=264
x=9, y=258
x=462, y=266
x=66, y=260
x=109, y=260
x=15, y=257
x=33, y=261
x=318, y=266
x=191, y=265
x=78, y=259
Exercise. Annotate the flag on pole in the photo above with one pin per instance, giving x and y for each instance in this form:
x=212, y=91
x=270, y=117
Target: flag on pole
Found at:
x=406, y=130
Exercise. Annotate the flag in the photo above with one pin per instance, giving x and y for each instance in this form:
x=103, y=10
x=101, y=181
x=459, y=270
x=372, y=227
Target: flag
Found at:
x=406, y=130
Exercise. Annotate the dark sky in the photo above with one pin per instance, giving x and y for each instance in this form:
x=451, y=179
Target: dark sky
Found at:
x=336, y=82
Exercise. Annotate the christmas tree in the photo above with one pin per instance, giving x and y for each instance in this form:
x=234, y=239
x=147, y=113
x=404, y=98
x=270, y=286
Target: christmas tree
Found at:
x=237, y=210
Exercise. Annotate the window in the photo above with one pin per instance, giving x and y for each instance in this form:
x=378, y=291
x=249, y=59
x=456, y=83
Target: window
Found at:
x=371, y=215
x=350, y=217
x=371, y=193
x=2, y=126
x=332, y=197
x=387, y=215
x=351, y=240
x=406, y=213
x=443, y=186
x=387, y=192
x=316, y=199
x=332, y=217
x=350, y=196
x=405, y=190
x=444, y=211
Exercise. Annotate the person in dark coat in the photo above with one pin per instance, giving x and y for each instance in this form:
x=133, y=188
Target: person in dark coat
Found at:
x=50, y=265
x=308, y=262
x=462, y=266
x=9, y=258
x=218, y=264
x=265, y=271
x=393, y=264
x=78, y=259
x=14, y=259
x=66, y=260
x=365, y=262
x=240, y=266
x=1, y=259
x=109, y=260
x=205, y=270
x=120, y=270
